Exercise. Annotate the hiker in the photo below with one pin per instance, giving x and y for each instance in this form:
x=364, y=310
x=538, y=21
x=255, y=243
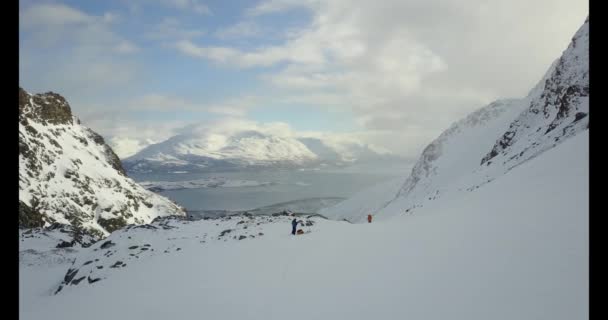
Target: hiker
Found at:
x=294, y=224
x=369, y=218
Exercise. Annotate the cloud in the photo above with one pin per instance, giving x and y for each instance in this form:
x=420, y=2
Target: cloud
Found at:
x=266, y=56
x=188, y=5
x=236, y=107
x=52, y=15
x=229, y=126
x=170, y=28
x=242, y=29
x=126, y=47
x=56, y=39
x=406, y=68
x=274, y=6
x=127, y=137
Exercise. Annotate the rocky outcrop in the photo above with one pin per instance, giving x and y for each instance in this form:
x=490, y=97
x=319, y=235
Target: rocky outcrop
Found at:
x=68, y=175
x=558, y=111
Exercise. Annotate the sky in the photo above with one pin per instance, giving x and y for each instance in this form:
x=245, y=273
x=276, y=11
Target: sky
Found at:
x=390, y=73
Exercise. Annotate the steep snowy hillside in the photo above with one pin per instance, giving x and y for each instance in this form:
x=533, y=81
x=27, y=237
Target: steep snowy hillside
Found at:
x=455, y=153
x=513, y=249
x=209, y=150
x=555, y=109
x=557, y=112
x=68, y=175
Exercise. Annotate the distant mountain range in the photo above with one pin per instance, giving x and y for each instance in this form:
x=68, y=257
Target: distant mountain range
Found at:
x=249, y=149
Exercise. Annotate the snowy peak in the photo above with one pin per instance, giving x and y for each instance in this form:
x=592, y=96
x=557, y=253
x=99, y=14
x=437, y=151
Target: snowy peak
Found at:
x=211, y=150
x=68, y=175
x=558, y=111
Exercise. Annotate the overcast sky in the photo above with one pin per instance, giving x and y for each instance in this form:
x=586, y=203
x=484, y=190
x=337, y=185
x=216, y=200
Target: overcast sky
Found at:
x=394, y=73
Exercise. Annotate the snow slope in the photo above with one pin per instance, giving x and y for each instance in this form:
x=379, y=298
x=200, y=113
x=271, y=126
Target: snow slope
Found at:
x=68, y=175
x=356, y=208
x=516, y=248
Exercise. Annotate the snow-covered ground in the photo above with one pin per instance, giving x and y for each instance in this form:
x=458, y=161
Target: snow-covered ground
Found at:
x=515, y=248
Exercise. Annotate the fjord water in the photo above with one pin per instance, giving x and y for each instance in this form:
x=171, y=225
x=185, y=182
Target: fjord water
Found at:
x=277, y=186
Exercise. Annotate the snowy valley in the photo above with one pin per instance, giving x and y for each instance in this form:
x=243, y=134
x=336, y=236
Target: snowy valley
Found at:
x=491, y=223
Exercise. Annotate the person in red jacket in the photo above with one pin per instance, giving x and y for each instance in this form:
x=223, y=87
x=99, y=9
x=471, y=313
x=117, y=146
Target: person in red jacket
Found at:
x=369, y=218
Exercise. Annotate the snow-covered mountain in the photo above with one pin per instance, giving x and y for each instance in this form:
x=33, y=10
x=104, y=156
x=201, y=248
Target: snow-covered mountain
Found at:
x=68, y=175
x=208, y=150
x=488, y=143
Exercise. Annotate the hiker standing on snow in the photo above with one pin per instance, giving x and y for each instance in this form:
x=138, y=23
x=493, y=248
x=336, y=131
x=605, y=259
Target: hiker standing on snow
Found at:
x=294, y=224
x=369, y=218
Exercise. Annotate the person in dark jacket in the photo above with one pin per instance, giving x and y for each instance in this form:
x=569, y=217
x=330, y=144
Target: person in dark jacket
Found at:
x=294, y=224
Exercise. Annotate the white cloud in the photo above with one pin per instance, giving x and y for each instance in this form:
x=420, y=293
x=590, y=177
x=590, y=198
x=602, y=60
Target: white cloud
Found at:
x=229, y=126
x=110, y=17
x=219, y=54
x=51, y=15
x=126, y=47
x=234, y=107
x=171, y=29
x=265, y=56
x=189, y=5
x=407, y=68
x=56, y=39
x=275, y=6
x=242, y=29
x=127, y=137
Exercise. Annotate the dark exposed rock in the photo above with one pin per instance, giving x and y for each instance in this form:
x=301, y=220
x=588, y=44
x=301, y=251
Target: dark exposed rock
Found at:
x=107, y=244
x=70, y=275
x=242, y=237
x=77, y=281
x=48, y=107
x=92, y=280
x=225, y=232
x=65, y=244
x=29, y=217
x=111, y=224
